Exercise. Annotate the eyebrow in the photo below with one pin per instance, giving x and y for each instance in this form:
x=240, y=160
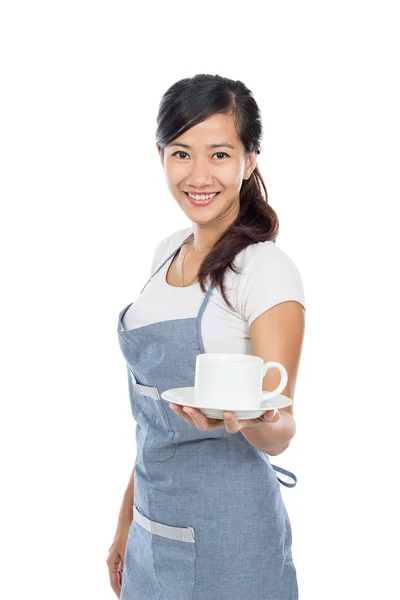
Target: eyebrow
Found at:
x=221, y=145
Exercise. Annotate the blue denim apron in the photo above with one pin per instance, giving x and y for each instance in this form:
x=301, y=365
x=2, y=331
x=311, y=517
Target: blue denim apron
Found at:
x=209, y=520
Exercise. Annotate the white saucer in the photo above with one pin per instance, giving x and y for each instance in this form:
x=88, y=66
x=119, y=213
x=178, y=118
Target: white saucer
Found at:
x=184, y=396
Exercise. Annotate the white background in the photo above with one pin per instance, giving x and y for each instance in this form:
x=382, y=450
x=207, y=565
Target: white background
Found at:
x=84, y=202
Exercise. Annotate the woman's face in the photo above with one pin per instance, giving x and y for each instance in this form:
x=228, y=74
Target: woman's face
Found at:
x=192, y=164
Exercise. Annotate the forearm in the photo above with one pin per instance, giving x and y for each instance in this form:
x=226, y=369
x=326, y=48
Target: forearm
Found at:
x=126, y=510
x=271, y=438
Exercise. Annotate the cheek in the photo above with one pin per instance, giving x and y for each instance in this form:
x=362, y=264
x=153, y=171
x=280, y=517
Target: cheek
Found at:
x=174, y=172
x=232, y=176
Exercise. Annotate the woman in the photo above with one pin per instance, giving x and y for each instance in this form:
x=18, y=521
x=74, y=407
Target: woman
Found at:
x=203, y=517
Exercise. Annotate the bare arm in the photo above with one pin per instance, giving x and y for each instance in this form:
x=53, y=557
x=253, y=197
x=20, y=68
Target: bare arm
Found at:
x=277, y=334
x=126, y=511
x=116, y=552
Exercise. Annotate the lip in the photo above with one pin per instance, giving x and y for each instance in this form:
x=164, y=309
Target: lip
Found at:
x=201, y=193
x=201, y=202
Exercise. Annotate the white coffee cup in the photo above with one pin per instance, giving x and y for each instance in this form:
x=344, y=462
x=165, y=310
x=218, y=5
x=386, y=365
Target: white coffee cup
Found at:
x=233, y=381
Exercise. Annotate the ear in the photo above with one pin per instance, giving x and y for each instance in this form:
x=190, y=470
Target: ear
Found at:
x=251, y=162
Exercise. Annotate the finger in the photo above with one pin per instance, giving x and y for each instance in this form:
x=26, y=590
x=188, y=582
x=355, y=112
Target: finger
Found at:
x=113, y=570
x=272, y=416
x=201, y=421
x=115, y=581
x=231, y=422
x=179, y=411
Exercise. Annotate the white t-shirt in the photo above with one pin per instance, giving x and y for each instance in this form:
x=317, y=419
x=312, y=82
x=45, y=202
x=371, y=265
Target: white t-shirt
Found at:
x=268, y=277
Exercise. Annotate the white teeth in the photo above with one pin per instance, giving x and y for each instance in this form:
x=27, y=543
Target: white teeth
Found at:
x=202, y=197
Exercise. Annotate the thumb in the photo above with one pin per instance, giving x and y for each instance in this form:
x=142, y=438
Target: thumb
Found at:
x=272, y=416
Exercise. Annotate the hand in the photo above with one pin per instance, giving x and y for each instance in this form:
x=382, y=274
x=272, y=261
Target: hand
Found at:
x=195, y=417
x=115, y=558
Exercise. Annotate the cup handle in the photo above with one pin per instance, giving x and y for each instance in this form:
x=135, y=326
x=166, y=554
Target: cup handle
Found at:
x=282, y=384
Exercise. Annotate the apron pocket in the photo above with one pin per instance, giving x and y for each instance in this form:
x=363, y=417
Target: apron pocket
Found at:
x=158, y=445
x=156, y=440
x=149, y=401
x=174, y=557
x=138, y=580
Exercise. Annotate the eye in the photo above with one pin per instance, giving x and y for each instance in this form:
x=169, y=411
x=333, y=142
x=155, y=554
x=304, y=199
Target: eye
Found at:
x=182, y=152
x=179, y=152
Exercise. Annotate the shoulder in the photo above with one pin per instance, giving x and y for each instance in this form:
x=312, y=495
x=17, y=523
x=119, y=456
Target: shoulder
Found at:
x=168, y=244
x=172, y=241
x=266, y=257
x=268, y=276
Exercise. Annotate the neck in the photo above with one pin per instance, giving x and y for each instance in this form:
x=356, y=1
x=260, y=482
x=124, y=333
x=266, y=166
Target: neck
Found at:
x=194, y=247
x=206, y=236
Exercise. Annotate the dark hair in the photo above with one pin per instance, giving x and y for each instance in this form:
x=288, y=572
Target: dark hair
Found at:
x=189, y=102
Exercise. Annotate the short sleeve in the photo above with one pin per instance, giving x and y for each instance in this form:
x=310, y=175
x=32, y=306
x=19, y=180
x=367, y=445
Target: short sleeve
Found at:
x=166, y=246
x=154, y=260
x=270, y=277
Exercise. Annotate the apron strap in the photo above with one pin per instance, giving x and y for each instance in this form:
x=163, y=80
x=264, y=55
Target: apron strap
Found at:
x=288, y=473
x=168, y=257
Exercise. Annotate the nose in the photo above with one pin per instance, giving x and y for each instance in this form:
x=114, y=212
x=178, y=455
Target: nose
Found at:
x=200, y=174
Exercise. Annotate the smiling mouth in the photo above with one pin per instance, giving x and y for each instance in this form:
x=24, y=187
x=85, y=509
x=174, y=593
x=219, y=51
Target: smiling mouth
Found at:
x=201, y=202
x=193, y=194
